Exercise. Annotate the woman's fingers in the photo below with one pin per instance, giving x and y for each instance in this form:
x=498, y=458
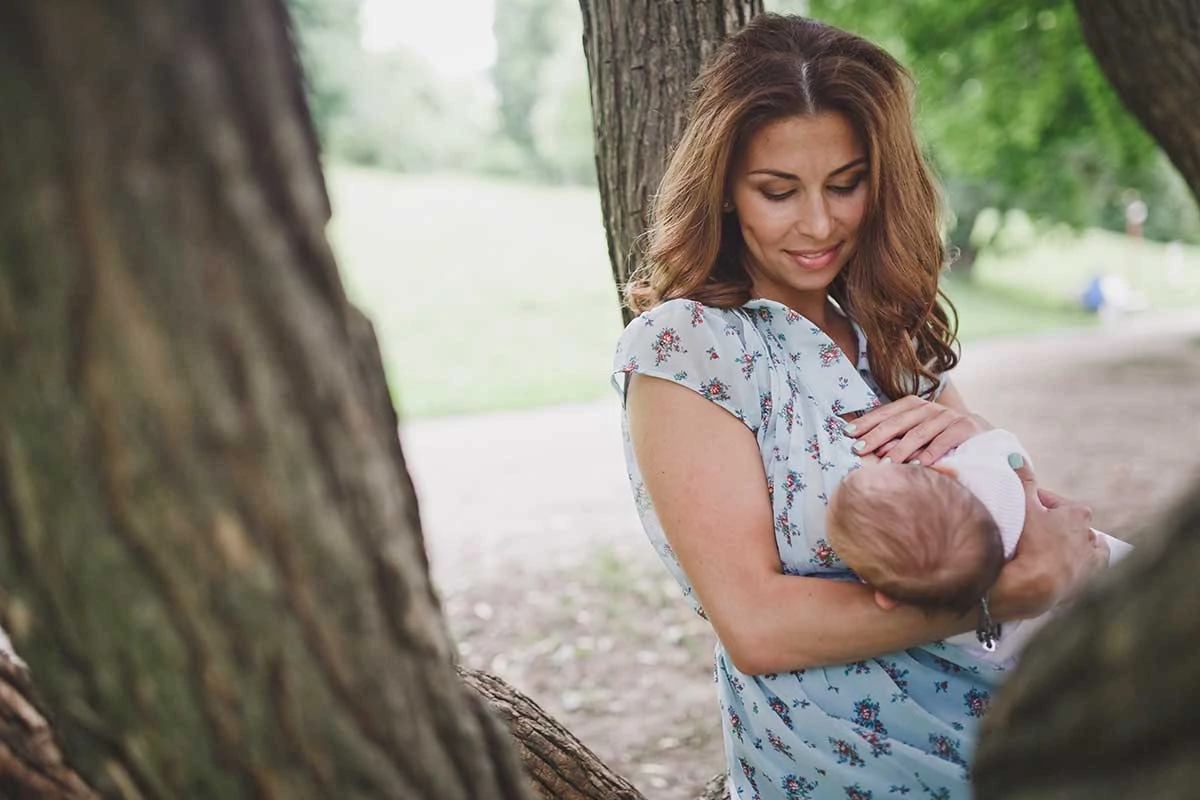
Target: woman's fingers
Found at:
x=912, y=429
x=900, y=425
x=955, y=434
x=1028, y=480
x=1050, y=499
x=877, y=416
x=1057, y=549
x=919, y=437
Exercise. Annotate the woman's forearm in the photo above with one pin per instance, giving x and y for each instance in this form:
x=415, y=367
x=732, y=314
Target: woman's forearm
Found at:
x=790, y=622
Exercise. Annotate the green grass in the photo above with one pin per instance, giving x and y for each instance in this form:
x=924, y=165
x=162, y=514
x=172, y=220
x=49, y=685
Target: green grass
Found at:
x=485, y=295
x=1054, y=266
x=490, y=295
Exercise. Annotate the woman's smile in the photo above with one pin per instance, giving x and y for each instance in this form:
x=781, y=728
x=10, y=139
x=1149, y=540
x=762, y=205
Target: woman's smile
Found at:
x=815, y=259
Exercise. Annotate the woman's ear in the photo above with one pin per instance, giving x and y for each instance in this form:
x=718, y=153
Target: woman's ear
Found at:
x=885, y=602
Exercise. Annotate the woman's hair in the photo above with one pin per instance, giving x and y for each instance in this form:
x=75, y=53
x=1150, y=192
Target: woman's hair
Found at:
x=783, y=66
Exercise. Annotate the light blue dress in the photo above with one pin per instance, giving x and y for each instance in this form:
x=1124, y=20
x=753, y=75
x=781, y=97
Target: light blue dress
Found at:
x=899, y=725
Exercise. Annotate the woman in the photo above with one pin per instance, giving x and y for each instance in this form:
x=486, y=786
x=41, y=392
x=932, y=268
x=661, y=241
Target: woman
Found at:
x=796, y=223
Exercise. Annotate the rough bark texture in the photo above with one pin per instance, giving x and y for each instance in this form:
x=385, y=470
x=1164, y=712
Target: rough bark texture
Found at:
x=642, y=57
x=209, y=545
x=1104, y=704
x=561, y=766
x=32, y=766
x=1150, y=51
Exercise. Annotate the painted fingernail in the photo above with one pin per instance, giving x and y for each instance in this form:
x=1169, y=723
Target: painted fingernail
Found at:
x=886, y=460
x=850, y=427
x=1015, y=461
x=859, y=445
x=915, y=462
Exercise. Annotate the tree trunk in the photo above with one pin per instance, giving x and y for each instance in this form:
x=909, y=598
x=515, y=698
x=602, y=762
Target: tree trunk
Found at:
x=1150, y=51
x=1104, y=704
x=32, y=766
x=210, y=546
x=642, y=59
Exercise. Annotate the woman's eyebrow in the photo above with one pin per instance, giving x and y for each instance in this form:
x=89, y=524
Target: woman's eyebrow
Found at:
x=787, y=176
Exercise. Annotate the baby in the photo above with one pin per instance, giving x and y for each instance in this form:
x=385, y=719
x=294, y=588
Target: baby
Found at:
x=938, y=537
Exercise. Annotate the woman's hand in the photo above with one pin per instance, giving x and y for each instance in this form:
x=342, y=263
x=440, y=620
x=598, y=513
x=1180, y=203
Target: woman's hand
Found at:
x=916, y=430
x=1058, y=550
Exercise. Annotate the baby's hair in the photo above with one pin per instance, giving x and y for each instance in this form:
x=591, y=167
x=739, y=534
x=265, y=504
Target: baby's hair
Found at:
x=919, y=537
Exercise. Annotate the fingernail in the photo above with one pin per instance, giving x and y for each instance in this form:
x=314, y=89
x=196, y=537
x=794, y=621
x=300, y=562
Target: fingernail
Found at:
x=850, y=427
x=859, y=445
x=1015, y=461
x=886, y=460
x=915, y=462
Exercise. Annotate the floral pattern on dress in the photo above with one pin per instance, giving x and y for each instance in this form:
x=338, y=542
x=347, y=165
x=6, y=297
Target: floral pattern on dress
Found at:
x=896, y=725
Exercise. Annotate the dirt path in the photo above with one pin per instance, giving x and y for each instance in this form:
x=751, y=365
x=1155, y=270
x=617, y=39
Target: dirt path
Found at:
x=549, y=582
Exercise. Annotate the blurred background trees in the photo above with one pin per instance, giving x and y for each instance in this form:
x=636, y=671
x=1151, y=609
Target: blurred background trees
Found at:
x=1014, y=111
x=1016, y=114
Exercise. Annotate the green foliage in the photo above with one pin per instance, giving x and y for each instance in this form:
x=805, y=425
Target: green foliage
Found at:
x=327, y=35
x=525, y=42
x=1015, y=111
x=540, y=78
x=382, y=109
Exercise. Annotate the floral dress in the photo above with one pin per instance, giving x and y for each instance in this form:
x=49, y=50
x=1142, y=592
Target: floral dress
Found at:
x=898, y=725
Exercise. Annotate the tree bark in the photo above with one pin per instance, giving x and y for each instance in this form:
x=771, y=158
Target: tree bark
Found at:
x=1150, y=51
x=32, y=766
x=560, y=766
x=1104, y=703
x=642, y=58
x=210, y=546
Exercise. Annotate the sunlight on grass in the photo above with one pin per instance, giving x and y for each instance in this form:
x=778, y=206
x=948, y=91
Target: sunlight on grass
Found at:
x=484, y=294
x=491, y=295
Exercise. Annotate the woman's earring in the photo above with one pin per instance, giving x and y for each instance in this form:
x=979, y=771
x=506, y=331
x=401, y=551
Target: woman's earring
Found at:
x=727, y=206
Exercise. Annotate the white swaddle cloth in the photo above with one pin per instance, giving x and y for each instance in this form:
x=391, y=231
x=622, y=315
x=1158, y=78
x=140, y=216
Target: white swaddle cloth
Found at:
x=981, y=465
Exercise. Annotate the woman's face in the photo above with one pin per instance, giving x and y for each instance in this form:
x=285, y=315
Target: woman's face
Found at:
x=800, y=192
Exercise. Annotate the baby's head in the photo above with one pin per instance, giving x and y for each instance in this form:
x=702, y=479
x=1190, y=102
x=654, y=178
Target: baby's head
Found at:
x=916, y=535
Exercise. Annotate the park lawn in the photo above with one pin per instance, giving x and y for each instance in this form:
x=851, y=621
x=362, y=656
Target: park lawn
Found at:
x=490, y=295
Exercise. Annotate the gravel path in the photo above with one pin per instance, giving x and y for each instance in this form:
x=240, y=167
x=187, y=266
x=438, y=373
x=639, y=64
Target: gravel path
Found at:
x=548, y=580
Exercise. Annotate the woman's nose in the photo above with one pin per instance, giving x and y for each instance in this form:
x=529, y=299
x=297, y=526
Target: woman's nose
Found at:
x=815, y=221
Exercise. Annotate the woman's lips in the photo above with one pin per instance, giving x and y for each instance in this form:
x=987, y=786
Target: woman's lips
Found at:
x=815, y=259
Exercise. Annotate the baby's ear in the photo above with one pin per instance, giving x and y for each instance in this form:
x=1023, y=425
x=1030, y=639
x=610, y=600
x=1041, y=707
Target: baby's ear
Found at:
x=885, y=602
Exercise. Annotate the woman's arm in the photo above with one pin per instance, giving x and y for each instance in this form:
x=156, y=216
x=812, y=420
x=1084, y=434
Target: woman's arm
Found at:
x=704, y=472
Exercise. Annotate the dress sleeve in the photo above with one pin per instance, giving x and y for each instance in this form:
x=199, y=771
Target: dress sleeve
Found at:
x=702, y=348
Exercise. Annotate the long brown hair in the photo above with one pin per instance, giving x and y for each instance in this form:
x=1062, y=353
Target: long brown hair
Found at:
x=782, y=66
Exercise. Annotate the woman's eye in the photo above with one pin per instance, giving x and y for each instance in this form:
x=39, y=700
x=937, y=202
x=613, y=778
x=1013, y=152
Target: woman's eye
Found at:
x=778, y=195
x=847, y=189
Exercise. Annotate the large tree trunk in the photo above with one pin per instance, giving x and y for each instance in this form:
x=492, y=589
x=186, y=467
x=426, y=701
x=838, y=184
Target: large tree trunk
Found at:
x=1104, y=703
x=1150, y=51
x=642, y=58
x=209, y=546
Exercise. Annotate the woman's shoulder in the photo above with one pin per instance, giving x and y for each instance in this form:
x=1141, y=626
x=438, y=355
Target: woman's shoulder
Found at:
x=678, y=325
x=687, y=314
x=698, y=346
